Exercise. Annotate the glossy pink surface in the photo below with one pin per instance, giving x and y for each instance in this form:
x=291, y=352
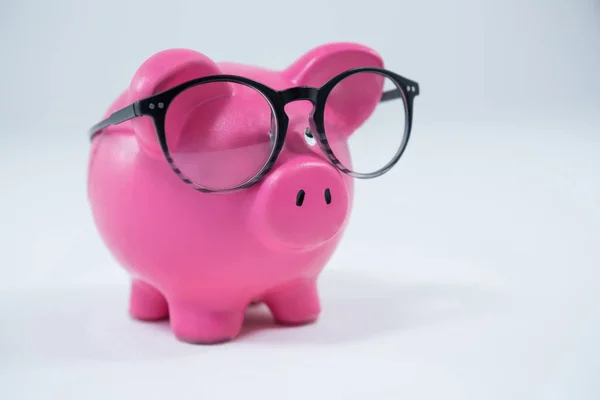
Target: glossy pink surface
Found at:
x=200, y=259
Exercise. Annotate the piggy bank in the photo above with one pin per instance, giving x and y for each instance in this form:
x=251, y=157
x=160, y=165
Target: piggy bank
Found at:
x=200, y=256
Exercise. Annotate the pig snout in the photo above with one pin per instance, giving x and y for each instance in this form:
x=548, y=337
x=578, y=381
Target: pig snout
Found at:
x=301, y=204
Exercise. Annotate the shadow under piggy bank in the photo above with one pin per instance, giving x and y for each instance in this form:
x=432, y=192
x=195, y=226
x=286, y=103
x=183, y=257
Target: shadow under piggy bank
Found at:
x=87, y=323
x=356, y=308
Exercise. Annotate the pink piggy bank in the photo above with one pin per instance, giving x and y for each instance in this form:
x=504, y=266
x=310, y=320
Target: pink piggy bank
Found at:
x=212, y=196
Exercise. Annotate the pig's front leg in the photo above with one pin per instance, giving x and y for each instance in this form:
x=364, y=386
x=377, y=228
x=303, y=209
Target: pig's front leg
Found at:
x=296, y=303
x=146, y=303
x=196, y=323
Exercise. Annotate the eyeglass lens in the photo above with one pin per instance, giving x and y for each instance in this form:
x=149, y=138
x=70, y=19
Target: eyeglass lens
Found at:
x=220, y=134
x=364, y=134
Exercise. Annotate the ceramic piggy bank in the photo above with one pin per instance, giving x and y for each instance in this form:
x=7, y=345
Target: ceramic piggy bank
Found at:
x=213, y=197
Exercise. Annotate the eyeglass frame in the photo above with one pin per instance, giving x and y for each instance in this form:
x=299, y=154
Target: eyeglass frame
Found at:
x=156, y=107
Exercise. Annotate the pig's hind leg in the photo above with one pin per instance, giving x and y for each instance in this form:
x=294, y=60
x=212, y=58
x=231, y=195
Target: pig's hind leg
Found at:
x=295, y=304
x=146, y=303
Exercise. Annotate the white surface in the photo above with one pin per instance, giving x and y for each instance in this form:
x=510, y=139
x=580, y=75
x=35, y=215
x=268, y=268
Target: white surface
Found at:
x=468, y=272
x=477, y=277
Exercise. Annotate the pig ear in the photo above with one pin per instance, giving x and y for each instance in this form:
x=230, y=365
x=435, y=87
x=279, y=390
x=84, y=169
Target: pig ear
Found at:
x=323, y=63
x=163, y=71
x=353, y=100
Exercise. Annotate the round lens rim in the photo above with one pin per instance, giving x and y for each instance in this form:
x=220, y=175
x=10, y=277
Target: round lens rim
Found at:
x=319, y=118
x=275, y=123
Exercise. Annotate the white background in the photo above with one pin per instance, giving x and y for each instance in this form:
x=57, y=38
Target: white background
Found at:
x=468, y=272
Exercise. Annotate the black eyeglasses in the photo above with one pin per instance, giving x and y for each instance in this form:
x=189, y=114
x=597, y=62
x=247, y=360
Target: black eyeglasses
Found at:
x=225, y=132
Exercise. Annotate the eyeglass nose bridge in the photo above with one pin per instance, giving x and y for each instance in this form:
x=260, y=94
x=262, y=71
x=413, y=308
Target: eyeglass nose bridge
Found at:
x=299, y=93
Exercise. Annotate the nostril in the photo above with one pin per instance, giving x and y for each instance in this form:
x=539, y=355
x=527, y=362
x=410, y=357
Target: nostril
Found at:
x=327, y=196
x=300, y=198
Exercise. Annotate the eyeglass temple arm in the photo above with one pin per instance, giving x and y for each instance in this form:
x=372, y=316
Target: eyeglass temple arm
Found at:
x=396, y=93
x=119, y=116
x=391, y=95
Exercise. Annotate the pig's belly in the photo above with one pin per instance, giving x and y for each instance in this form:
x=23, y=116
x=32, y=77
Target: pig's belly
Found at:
x=181, y=241
x=212, y=270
